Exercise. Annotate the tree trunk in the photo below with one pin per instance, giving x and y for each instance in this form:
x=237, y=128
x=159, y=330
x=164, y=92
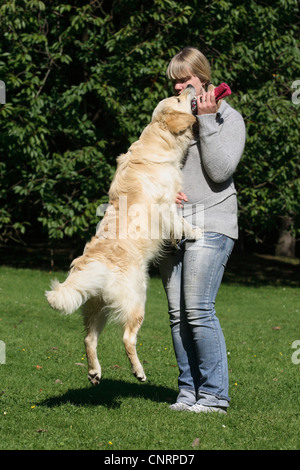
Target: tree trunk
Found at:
x=286, y=244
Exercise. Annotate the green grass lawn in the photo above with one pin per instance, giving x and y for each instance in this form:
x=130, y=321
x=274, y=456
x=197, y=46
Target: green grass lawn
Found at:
x=46, y=401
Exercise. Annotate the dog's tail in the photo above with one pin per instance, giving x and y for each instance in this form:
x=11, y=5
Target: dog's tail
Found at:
x=79, y=286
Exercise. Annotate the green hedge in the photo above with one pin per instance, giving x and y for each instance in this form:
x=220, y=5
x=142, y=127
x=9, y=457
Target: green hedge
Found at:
x=82, y=79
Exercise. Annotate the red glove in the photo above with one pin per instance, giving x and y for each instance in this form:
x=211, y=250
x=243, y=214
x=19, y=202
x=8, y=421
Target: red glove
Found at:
x=221, y=91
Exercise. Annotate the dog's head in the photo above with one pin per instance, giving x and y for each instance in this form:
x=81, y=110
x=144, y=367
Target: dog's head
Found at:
x=175, y=113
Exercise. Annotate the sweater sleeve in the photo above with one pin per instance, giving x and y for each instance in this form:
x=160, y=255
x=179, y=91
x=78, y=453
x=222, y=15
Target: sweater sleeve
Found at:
x=222, y=144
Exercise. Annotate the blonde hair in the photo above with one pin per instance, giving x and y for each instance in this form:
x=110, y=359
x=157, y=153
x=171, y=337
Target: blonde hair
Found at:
x=189, y=61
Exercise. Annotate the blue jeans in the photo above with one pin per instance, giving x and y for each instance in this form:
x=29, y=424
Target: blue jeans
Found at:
x=192, y=276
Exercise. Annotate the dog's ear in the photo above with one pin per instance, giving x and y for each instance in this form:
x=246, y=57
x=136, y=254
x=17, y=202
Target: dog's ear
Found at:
x=178, y=122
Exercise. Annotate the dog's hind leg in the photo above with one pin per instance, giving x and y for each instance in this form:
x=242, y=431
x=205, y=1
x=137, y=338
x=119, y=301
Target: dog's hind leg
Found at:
x=131, y=330
x=94, y=319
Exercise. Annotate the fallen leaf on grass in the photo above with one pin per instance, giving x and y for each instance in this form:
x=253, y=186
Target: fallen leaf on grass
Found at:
x=16, y=325
x=58, y=381
x=196, y=442
x=79, y=364
x=38, y=367
x=276, y=328
x=41, y=430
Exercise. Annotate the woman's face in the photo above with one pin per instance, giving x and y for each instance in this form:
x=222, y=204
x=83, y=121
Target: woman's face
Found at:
x=181, y=83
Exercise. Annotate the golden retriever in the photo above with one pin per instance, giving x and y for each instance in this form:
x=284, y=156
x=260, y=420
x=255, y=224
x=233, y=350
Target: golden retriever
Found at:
x=110, y=278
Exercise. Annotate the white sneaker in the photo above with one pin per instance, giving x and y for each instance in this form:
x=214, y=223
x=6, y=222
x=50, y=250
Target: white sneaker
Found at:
x=206, y=409
x=179, y=406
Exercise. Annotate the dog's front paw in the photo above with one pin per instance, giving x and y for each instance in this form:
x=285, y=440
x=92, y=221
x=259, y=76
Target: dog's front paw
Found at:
x=194, y=234
x=198, y=233
x=94, y=377
x=190, y=232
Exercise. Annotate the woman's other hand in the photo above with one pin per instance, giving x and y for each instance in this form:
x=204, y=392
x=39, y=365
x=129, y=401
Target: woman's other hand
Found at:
x=180, y=197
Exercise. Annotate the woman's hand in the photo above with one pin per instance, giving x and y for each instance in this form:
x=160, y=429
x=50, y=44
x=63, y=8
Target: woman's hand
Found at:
x=206, y=103
x=179, y=198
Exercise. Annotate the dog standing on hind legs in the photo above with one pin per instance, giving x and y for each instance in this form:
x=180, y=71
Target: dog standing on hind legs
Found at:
x=110, y=278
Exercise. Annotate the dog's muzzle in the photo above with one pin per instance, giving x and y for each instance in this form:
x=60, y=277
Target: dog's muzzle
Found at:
x=190, y=89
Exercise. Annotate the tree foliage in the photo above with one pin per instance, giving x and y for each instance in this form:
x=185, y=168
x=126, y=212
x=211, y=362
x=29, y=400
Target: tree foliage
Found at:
x=82, y=79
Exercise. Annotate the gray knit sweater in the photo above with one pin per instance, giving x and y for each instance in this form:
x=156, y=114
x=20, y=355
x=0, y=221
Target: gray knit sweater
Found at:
x=207, y=172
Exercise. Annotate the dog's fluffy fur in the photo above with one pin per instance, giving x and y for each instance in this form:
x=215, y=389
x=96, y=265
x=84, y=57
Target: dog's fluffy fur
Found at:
x=110, y=278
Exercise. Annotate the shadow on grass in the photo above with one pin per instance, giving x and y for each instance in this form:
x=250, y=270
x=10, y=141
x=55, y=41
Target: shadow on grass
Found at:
x=110, y=394
x=262, y=270
x=246, y=269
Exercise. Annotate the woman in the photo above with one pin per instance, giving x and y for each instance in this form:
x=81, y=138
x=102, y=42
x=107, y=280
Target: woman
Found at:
x=192, y=274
